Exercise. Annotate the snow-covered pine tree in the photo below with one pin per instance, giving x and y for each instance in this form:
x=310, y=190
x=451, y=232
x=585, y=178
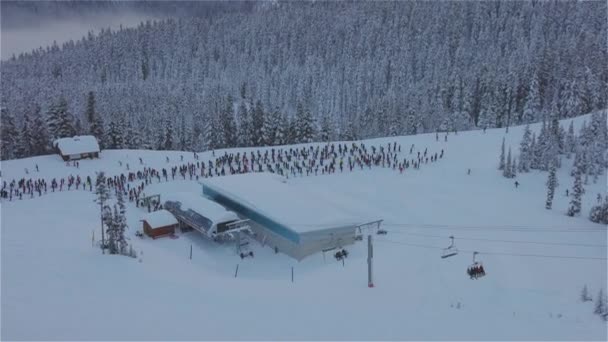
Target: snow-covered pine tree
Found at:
x=40, y=136
x=282, y=136
x=585, y=297
x=305, y=125
x=506, y=172
x=551, y=185
x=245, y=127
x=95, y=120
x=580, y=161
x=532, y=105
x=25, y=144
x=532, y=153
x=90, y=111
x=577, y=194
x=524, y=150
x=115, y=138
x=571, y=96
x=365, y=122
x=168, y=135
x=514, y=167
x=257, y=120
x=228, y=124
x=121, y=224
x=59, y=119
x=326, y=130
x=269, y=127
x=599, y=212
x=103, y=195
x=10, y=135
x=543, y=144
x=112, y=231
x=600, y=303
x=501, y=162
x=570, y=142
x=292, y=131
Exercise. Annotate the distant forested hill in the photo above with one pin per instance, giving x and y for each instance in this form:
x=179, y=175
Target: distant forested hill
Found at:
x=269, y=73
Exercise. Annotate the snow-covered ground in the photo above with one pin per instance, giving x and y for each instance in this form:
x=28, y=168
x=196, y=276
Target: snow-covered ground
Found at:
x=56, y=286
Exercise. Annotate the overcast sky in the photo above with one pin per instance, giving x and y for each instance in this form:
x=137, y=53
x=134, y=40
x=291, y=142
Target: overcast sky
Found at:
x=24, y=38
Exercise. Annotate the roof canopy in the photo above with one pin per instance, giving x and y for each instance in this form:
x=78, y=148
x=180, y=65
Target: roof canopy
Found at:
x=295, y=207
x=160, y=218
x=199, y=204
x=77, y=145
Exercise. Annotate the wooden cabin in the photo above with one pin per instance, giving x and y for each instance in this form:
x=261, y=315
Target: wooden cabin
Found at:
x=159, y=223
x=78, y=147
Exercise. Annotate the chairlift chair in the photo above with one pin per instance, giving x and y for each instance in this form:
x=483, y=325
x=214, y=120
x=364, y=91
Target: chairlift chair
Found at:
x=450, y=251
x=476, y=269
x=381, y=232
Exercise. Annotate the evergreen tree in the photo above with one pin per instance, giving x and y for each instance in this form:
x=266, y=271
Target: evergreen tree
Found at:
x=305, y=125
x=90, y=112
x=78, y=130
x=26, y=147
x=121, y=224
x=544, y=144
x=168, y=136
x=585, y=297
x=551, y=185
x=227, y=123
x=532, y=107
x=600, y=303
x=245, y=129
x=524, y=150
x=570, y=142
x=269, y=127
x=599, y=212
x=115, y=138
x=9, y=135
x=40, y=136
x=60, y=121
x=112, y=231
x=257, y=123
x=283, y=131
x=501, y=163
x=508, y=168
x=326, y=132
x=95, y=120
x=577, y=194
x=292, y=132
x=103, y=195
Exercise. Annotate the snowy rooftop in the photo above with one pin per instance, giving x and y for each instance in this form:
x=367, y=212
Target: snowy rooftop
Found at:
x=160, y=218
x=293, y=206
x=211, y=210
x=77, y=145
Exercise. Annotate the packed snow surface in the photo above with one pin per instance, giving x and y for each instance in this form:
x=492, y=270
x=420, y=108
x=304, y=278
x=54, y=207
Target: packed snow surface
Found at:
x=292, y=205
x=160, y=218
x=57, y=286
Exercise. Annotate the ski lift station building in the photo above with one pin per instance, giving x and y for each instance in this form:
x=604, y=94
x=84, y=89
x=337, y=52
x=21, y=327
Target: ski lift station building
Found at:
x=286, y=217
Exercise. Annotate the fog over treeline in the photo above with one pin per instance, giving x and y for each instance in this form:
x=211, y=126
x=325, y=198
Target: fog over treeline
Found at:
x=28, y=25
x=267, y=73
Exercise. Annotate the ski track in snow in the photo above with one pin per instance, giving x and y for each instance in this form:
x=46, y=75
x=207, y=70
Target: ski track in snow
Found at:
x=55, y=286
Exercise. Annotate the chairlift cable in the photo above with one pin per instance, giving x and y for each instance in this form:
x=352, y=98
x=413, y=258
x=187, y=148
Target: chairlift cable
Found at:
x=496, y=253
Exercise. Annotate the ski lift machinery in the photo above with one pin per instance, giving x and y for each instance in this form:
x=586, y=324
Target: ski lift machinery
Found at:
x=450, y=251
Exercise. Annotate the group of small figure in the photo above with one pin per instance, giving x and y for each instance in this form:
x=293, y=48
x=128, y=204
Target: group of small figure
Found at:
x=476, y=271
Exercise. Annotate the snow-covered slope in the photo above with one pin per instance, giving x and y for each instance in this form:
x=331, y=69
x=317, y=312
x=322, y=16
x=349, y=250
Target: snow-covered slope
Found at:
x=55, y=285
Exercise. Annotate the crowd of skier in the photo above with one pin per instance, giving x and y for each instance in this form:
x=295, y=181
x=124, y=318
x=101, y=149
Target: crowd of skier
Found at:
x=311, y=160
